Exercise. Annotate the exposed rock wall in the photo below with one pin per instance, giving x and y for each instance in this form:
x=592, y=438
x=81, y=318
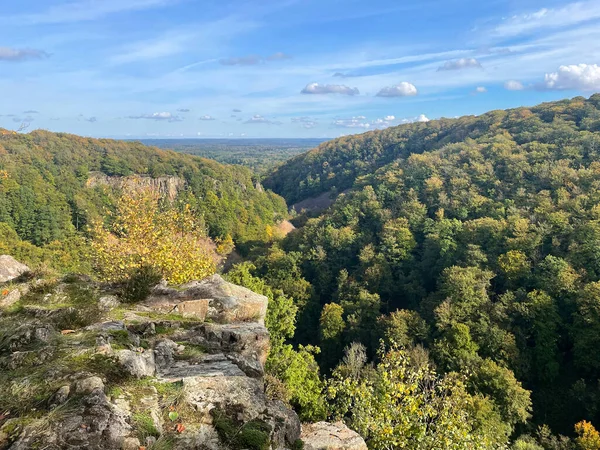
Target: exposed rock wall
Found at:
x=166, y=186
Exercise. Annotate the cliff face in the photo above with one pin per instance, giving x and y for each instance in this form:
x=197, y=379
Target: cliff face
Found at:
x=167, y=186
x=181, y=370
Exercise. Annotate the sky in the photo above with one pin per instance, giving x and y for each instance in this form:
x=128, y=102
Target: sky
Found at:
x=284, y=68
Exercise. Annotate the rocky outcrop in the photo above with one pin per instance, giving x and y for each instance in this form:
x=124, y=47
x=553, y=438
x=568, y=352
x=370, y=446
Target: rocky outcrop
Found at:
x=331, y=436
x=10, y=268
x=212, y=299
x=165, y=370
x=166, y=186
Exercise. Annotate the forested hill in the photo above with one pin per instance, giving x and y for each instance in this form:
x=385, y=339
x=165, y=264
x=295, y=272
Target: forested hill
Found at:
x=474, y=243
x=44, y=193
x=336, y=164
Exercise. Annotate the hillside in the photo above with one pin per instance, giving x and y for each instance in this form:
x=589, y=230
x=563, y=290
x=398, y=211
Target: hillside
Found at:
x=472, y=242
x=337, y=163
x=52, y=184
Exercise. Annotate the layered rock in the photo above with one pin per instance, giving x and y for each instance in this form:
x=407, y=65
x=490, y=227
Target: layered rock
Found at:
x=161, y=371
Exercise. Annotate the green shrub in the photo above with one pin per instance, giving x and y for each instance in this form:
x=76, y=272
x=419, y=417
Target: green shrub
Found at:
x=140, y=282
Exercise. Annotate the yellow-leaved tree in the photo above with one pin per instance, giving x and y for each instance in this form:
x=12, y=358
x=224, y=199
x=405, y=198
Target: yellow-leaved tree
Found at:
x=144, y=232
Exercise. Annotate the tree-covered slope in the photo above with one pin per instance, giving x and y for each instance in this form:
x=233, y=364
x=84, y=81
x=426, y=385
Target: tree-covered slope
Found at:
x=44, y=193
x=337, y=163
x=474, y=243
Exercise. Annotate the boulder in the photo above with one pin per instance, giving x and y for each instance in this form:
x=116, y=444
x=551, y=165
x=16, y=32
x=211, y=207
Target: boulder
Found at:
x=88, y=385
x=285, y=424
x=230, y=393
x=250, y=340
x=94, y=424
x=108, y=302
x=212, y=298
x=331, y=436
x=10, y=298
x=10, y=268
x=137, y=364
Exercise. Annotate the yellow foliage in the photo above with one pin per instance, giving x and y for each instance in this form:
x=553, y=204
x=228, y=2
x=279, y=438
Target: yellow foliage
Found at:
x=588, y=437
x=171, y=240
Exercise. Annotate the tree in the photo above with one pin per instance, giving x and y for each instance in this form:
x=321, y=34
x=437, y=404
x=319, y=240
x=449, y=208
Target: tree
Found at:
x=395, y=405
x=331, y=327
x=143, y=232
x=588, y=437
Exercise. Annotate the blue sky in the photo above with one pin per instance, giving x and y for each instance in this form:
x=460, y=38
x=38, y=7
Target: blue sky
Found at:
x=285, y=68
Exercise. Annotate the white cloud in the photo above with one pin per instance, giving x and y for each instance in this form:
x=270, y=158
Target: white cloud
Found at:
x=257, y=119
x=316, y=88
x=422, y=118
x=207, y=117
x=158, y=116
x=514, y=85
x=404, y=89
x=20, y=54
x=480, y=89
x=568, y=15
x=458, y=64
x=183, y=110
x=584, y=77
x=389, y=118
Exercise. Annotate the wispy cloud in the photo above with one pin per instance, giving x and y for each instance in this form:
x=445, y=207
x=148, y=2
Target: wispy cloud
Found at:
x=84, y=10
x=158, y=116
x=206, y=117
x=316, y=88
x=31, y=111
x=258, y=119
x=183, y=110
x=567, y=15
x=21, y=54
x=252, y=60
x=305, y=122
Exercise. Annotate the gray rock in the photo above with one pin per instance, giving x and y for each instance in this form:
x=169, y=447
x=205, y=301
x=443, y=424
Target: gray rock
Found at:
x=250, y=340
x=95, y=425
x=217, y=365
x=250, y=366
x=130, y=443
x=331, y=436
x=212, y=298
x=10, y=299
x=30, y=333
x=234, y=393
x=10, y=268
x=164, y=352
x=111, y=325
x=285, y=424
x=137, y=364
x=88, y=385
x=108, y=303
x=61, y=395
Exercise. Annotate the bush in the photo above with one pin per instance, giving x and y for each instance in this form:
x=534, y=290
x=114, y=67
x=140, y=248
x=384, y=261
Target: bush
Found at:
x=140, y=282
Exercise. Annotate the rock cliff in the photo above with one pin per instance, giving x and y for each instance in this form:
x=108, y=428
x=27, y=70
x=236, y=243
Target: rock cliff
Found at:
x=182, y=369
x=167, y=186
